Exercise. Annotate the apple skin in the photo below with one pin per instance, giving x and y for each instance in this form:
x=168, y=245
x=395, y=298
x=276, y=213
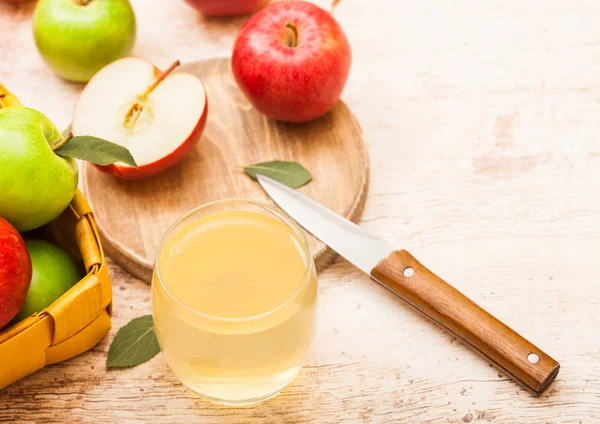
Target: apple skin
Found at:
x=15, y=272
x=158, y=167
x=54, y=273
x=36, y=184
x=76, y=41
x=225, y=7
x=292, y=84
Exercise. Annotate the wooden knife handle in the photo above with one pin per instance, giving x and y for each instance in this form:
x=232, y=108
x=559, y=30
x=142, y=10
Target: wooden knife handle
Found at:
x=408, y=278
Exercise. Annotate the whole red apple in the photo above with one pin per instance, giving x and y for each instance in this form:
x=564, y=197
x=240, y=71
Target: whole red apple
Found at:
x=15, y=272
x=291, y=60
x=225, y=7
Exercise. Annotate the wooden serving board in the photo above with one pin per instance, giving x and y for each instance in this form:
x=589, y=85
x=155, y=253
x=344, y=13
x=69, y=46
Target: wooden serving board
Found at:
x=133, y=216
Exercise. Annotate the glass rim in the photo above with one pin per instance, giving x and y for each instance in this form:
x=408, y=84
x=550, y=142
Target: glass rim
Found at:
x=278, y=213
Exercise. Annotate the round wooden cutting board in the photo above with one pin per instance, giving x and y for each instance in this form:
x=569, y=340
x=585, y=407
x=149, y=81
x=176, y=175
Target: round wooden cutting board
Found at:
x=133, y=216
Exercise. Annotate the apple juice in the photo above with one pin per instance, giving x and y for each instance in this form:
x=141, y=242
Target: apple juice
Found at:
x=234, y=303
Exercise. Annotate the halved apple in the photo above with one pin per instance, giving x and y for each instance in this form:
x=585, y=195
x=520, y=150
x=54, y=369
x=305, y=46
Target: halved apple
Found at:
x=158, y=116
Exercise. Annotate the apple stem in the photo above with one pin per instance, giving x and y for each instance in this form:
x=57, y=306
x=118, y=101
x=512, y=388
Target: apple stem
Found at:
x=334, y=4
x=290, y=35
x=160, y=79
x=62, y=142
x=83, y=2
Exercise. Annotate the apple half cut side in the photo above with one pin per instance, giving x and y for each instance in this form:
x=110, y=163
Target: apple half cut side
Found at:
x=158, y=120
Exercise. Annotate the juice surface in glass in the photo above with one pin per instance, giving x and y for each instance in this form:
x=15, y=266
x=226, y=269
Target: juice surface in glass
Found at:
x=234, y=295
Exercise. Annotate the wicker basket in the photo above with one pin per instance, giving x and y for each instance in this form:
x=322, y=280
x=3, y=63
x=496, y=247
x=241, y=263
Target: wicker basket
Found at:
x=80, y=318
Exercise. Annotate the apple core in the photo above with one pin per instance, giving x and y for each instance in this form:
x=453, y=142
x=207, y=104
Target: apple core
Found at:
x=133, y=114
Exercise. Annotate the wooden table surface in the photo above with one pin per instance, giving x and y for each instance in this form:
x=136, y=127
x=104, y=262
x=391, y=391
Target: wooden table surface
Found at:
x=483, y=125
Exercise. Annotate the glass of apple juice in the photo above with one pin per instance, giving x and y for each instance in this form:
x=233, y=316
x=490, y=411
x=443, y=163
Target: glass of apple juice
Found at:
x=233, y=299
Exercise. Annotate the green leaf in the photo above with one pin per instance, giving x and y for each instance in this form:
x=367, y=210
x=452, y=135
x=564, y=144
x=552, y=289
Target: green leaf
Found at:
x=95, y=150
x=292, y=174
x=134, y=344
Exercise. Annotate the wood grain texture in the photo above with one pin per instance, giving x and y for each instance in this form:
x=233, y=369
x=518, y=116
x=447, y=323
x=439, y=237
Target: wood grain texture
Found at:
x=482, y=125
x=133, y=216
x=405, y=276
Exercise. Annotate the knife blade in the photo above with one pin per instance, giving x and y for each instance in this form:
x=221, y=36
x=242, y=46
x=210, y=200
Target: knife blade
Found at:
x=401, y=273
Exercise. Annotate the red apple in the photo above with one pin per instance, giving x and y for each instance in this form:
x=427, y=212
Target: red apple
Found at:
x=225, y=7
x=158, y=116
x=291, y=60
x=15, y=272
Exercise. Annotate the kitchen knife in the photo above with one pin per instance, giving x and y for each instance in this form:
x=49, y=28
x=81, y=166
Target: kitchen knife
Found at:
x=401, y=273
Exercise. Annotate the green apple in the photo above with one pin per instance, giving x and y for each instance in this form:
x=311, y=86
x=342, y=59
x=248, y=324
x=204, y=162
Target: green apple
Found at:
x=78, y=37
x=36, y=184
x=54, y=273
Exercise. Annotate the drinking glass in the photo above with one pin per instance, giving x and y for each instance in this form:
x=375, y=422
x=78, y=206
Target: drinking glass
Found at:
x=233, y=300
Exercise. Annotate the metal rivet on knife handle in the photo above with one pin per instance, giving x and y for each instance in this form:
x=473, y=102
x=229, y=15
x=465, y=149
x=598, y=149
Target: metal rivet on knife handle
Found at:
x=453, y=310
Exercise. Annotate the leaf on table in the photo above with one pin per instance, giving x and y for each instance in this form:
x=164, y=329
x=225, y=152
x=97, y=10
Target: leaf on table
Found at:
x=292, y=174
x=95, y=150
x=134, y=344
